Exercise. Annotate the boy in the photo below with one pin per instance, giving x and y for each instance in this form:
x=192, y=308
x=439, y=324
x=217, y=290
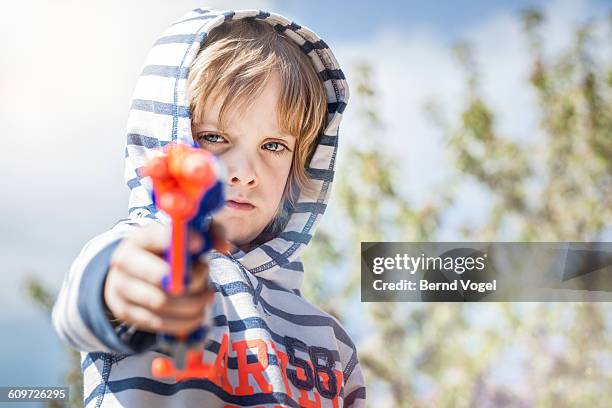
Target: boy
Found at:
x=266, y=96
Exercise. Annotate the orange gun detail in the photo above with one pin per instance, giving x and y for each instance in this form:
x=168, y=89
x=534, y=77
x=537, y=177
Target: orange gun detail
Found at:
x=188, y=186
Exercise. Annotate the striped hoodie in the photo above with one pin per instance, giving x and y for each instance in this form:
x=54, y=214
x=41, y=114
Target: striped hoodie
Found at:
x=271, y=346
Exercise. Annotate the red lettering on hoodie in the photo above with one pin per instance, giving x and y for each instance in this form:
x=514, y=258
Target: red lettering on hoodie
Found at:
x=306, y=402
x=255, y=369
x=220, y=373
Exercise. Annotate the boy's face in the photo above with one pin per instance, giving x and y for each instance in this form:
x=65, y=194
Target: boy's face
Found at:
x=257, y=157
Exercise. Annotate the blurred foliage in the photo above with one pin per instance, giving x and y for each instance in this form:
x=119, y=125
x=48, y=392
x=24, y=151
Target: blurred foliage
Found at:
x=555, y=185
x=73, y=379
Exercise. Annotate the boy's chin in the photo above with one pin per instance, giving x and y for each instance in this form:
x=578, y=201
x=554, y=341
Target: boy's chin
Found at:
x=244, y=245
x=238, y=236
x=238, y=231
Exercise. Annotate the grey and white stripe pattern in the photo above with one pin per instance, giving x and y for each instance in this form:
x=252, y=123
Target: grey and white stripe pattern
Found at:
x=257, y=292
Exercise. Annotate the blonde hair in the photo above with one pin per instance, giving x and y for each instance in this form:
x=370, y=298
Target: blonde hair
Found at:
x=236, y=61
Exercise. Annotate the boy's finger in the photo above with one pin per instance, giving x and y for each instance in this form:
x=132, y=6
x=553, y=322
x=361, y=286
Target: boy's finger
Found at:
x=136, y=315
x=182, y=326
x=147, y=320
x=154, y=237
x=143, y=294
x=185, y=306
x=141, y=264
x=152, y=298
x=141, y=317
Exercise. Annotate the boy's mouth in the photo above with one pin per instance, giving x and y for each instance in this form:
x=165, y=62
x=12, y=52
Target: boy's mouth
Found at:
x=244, y=206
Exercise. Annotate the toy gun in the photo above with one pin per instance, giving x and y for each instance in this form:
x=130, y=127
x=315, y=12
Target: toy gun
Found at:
x=187, y=186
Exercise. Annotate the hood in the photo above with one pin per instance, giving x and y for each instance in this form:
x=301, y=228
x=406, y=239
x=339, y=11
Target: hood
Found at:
x=160, y=114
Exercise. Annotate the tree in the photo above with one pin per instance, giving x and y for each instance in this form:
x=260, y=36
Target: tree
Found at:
x=438, y=354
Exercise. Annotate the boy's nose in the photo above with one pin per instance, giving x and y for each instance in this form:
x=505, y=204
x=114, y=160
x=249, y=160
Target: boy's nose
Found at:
x=242, y=175
x=247, y=181
x=240, y=168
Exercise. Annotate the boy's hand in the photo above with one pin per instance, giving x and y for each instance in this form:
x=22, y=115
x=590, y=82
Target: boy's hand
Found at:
x=133, y=291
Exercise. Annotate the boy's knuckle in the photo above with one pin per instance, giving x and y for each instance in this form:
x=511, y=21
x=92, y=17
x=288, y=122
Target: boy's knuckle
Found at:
x=122, y=254
x=109, y=284
x=158, y=303
x=139, y=233
x=195, y=313
x=118, y=255
x=122, y=313
x=156, y=324
x=121, y=288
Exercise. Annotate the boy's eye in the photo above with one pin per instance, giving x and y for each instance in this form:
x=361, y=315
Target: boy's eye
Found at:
x=274, y=147
x=211, y=137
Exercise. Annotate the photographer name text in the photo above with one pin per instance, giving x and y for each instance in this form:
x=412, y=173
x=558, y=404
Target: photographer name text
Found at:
x=425, y=285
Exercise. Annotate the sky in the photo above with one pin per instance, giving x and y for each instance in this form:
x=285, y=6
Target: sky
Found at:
x=68, y=70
